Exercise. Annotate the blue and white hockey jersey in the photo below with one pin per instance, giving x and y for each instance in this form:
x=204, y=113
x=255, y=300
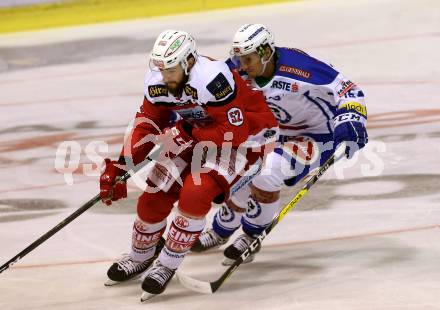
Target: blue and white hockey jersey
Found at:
x=305, y=94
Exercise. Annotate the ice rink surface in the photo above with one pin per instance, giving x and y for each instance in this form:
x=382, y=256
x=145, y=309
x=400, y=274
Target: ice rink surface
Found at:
x=367, y=236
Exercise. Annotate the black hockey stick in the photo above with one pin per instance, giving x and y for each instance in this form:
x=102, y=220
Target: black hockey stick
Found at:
x=206, y=287
x=73, y=216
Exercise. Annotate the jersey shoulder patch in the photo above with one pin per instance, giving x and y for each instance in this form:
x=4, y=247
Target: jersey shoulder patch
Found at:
x=157, y=90
x=154, y=88
x=296, y=64
x=191, y=91
x=220, y=87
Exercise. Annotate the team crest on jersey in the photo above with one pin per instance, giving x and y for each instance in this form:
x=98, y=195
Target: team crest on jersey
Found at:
x=253, y=209
x=157, y=90
x=343, y=87
x=226, y=215
x=303, y=149
x=219, y=87
x=282, y=116
x=190, y=91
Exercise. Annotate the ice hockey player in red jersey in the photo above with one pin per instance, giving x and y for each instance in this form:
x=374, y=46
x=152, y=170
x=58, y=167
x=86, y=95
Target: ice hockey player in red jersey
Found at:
x=217, y=111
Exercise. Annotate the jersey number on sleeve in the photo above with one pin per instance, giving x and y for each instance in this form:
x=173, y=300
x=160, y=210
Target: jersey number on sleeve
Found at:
x=235, y=116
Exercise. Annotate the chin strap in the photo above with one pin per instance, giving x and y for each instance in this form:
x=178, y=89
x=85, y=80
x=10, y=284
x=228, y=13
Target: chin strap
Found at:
x=264, y=63
x=184, y=65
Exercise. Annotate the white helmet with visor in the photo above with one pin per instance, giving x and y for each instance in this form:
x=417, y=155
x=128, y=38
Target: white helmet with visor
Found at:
x=172, y=47
x=251, y=38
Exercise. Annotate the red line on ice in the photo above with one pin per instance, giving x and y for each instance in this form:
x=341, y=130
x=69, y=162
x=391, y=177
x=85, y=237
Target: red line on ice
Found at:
x=366, y=235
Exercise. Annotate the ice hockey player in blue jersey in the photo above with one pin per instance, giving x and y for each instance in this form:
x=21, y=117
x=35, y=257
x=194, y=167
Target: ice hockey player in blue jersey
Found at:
x=317, y=109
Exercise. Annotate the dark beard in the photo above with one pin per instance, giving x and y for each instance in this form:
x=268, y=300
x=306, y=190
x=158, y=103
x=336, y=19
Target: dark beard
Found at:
x=178, y=91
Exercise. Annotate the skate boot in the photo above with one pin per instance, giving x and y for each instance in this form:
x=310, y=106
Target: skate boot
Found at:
x=234, y=251
x=208, y=239
x=126, y=268
x=155, y=280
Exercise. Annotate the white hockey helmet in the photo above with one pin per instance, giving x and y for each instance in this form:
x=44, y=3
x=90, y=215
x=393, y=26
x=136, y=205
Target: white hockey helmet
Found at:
x=251, y=38
x=172, y=47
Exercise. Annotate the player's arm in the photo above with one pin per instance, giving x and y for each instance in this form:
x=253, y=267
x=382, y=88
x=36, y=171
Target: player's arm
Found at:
x=148, y=122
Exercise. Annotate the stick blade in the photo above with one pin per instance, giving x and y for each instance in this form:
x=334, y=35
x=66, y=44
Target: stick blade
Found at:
x=194, y=284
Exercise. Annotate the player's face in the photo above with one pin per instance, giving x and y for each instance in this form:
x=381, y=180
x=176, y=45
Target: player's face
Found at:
x=251, y=63
x=173, y=78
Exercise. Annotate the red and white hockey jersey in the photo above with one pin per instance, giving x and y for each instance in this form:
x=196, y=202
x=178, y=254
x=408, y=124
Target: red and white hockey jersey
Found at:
x=215, y=100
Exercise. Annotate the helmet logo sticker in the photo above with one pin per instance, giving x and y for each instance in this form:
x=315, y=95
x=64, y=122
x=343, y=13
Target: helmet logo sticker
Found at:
x=175, y=45
x=159, y=63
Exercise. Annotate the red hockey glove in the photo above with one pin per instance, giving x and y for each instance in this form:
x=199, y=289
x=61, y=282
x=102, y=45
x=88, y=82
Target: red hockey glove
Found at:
x=112, y=190
x=176, y=140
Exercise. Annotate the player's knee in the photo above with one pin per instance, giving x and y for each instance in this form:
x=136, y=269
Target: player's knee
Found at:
x=264, y=196
x=195, y=199
x=231, y=205
x=154, y=208
x=152, y=215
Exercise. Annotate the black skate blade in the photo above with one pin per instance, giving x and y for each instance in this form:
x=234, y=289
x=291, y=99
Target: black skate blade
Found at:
x=110, y=282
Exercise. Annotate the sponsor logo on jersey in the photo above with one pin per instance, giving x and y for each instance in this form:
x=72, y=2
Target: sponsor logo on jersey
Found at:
x=157, y=90
x=220, y=87
x=143, y=240
x=194, y=114
x=295, y=71
x=294, y=87
x=290, y=87
x=180, y=240
x=344, y=87
x=356, y=106
x=190, y=91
